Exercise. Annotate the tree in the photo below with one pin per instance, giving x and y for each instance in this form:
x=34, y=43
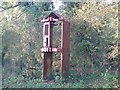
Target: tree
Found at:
x=93, y=35
x=22, y=19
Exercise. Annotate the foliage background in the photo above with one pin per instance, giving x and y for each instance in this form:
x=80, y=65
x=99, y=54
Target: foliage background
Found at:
x=94, y=44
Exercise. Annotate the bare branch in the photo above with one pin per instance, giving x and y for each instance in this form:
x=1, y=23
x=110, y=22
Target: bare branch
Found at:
x=2, y=7
x=8, y=7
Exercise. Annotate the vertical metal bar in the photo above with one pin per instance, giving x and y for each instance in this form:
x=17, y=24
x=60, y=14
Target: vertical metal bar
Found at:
x=65, y=35
x=47, y=56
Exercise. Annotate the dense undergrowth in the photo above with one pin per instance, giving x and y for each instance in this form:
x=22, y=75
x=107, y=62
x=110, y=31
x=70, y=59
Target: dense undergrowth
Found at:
x=101, y=80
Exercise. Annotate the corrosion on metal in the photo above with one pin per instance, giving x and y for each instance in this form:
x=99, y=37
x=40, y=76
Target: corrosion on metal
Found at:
x=47, y=49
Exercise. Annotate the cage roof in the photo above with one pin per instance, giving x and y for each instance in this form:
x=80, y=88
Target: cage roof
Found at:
x=54, y=15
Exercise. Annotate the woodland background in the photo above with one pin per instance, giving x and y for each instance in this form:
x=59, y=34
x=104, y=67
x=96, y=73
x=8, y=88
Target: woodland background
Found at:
x=93, y=41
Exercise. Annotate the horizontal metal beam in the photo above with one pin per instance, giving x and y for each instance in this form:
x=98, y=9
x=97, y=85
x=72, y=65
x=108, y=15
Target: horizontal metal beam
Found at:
x=51, y=50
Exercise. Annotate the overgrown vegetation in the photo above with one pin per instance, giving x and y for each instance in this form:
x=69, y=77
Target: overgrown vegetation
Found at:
x=93, y=40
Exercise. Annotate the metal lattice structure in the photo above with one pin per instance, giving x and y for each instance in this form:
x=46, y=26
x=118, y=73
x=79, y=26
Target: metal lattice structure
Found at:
x=47, y=50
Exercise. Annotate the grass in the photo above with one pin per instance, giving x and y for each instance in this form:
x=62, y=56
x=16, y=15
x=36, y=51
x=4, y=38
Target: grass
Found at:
x=102, y=81
x=20, y=82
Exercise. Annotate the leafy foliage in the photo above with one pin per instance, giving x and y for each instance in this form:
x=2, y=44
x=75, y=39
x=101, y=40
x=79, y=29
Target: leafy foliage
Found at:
x=93, y=35
x=93, y=40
